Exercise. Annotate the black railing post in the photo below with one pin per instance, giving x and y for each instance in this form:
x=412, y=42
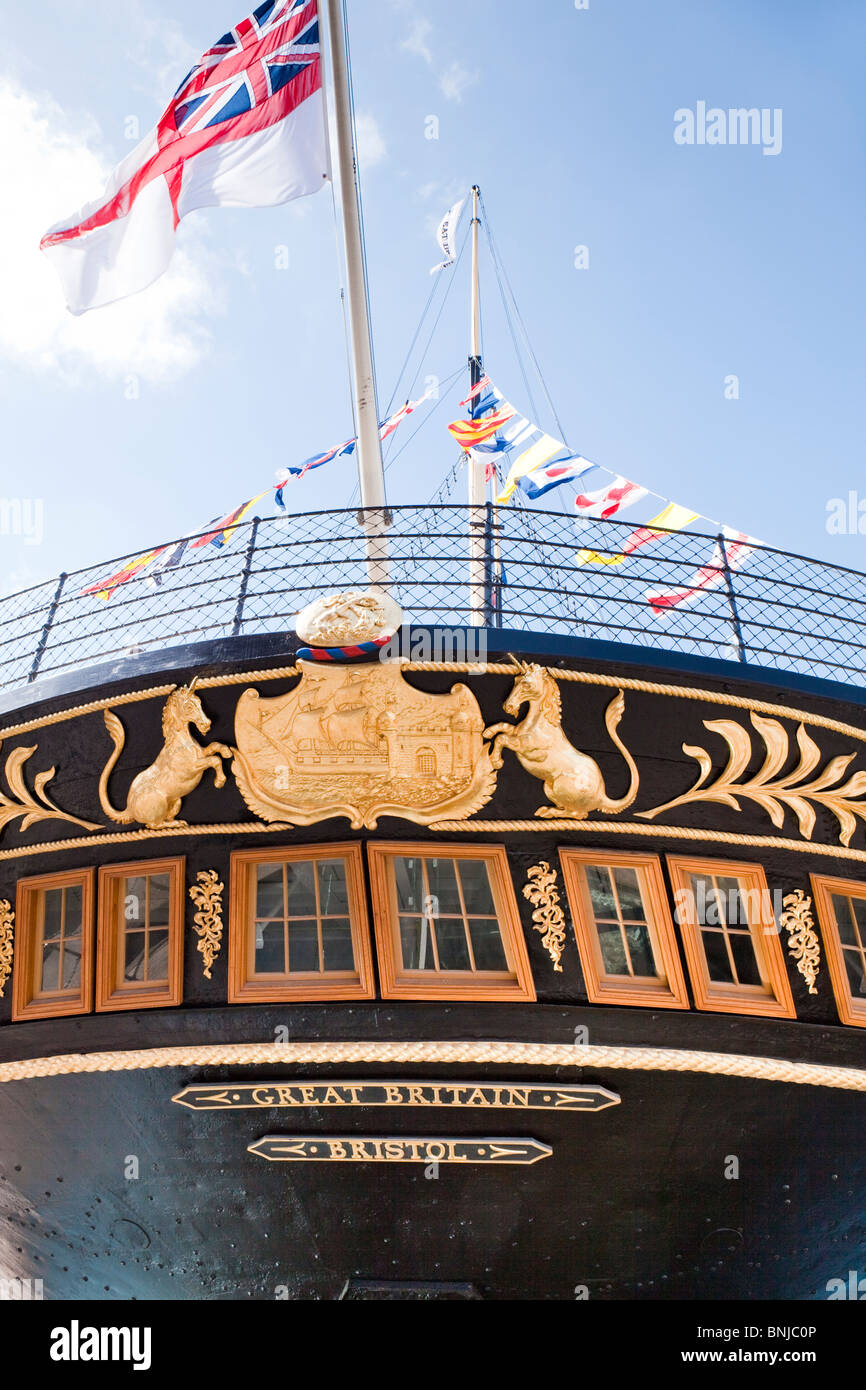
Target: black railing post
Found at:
x=489, y=595
x=732, y=599
x=245, y=577
x=43, y=637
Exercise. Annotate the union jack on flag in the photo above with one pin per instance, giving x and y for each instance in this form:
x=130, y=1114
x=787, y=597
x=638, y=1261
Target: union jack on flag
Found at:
x=245, y=128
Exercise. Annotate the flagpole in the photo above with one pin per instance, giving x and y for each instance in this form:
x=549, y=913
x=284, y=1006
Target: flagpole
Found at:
x=477, y=484
x=371, y=472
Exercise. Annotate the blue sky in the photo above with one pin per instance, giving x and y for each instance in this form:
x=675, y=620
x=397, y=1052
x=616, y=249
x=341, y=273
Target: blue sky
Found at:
x=138, y=424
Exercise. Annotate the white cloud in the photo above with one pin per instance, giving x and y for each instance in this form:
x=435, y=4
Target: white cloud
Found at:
x=49, y=169
x=371, y=143
x=417, y=42
x=455, y=80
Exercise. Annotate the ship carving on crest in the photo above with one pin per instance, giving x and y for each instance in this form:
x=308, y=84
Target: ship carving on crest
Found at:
x=359, y=741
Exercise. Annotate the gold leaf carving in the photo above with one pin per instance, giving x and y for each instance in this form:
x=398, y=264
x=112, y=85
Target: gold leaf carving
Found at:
x=359, y=741
x=207, y=895
x=573, y=781
x=772, y=792
x=157, y=793
x=7, y=918
x=803, y=942
x=27, y=806
x=548, y=916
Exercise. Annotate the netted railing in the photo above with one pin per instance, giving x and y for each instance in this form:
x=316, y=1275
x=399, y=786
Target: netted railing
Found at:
x=522, y=569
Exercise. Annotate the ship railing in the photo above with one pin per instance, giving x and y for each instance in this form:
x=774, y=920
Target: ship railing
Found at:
x=778, y=610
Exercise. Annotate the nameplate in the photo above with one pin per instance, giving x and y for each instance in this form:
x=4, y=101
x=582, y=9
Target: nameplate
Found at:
x=345, y=1148
x=465, y=1095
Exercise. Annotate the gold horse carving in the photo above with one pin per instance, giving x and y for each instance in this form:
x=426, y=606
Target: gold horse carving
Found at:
x=156, y=793
x=573, y=781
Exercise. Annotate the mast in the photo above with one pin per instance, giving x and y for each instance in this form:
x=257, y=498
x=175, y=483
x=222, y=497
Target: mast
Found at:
x=477, y=484
x=371, y=472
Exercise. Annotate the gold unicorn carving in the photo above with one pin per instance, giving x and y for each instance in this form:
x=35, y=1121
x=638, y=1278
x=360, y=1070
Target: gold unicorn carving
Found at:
x=156, y=793
x=572, y=780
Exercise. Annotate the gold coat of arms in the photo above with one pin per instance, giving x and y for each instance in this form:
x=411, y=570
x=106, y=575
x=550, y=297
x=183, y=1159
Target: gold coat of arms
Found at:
x=359, y=741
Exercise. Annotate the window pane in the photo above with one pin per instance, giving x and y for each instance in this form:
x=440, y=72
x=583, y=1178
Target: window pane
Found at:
x=612, y=949
x=415, y=943
x=74, y=910
x=302, y=888
x=53, y=899
x=410, y=884
x=337, y=945
x=442, y=878
x=745, y=959
x=71, y=964
x=844, y=920
x=475, y=882
x=303, y=947
x=640, y=946
x=628, y=888
x=600, y=891
x=732, y=907
x=270, y=949
x=158, y=915
x=487, y=944
x=854, y=967
x=133, y=954
x=718, y=965
x=269, y=890
x=157, y=960
x=333, y=890
x=451, y=941
x=50, y=969
x=133, y=899
x=859, y=906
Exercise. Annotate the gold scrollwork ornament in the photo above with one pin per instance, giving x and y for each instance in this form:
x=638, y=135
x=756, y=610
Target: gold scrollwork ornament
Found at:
x=207, y=895
x=28, y=806
x=548, y=916
x=803, y=942
x=767, y=788
x=7, y=920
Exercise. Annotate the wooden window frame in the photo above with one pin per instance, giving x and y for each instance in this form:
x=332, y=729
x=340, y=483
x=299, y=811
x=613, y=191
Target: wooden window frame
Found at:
x=112, y=996
x=772, y=999
x=851, y=1010
x=666, y=991
x=27, y=1000
x=244, y=988
x=515, y=986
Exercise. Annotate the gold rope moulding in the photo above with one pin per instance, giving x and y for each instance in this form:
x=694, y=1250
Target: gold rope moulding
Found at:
x=491, y=827
x=684, y=692
x=493, y=1053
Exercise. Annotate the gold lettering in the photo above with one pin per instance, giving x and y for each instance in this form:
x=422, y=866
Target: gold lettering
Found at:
x=359, y=1151
x=518, y=1097
x=436, y=1150
x=332, y=1097
x=354, y=1092
x=287, y=1095
x=416, y=1096
x=308, y=1095
x=338, y=1150
x=262, y=1095
x=478, y=1098
x=394, y=1151
x=393, y=1095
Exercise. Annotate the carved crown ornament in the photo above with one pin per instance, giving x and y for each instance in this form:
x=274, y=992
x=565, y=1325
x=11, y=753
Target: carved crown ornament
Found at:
x=361, y=741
